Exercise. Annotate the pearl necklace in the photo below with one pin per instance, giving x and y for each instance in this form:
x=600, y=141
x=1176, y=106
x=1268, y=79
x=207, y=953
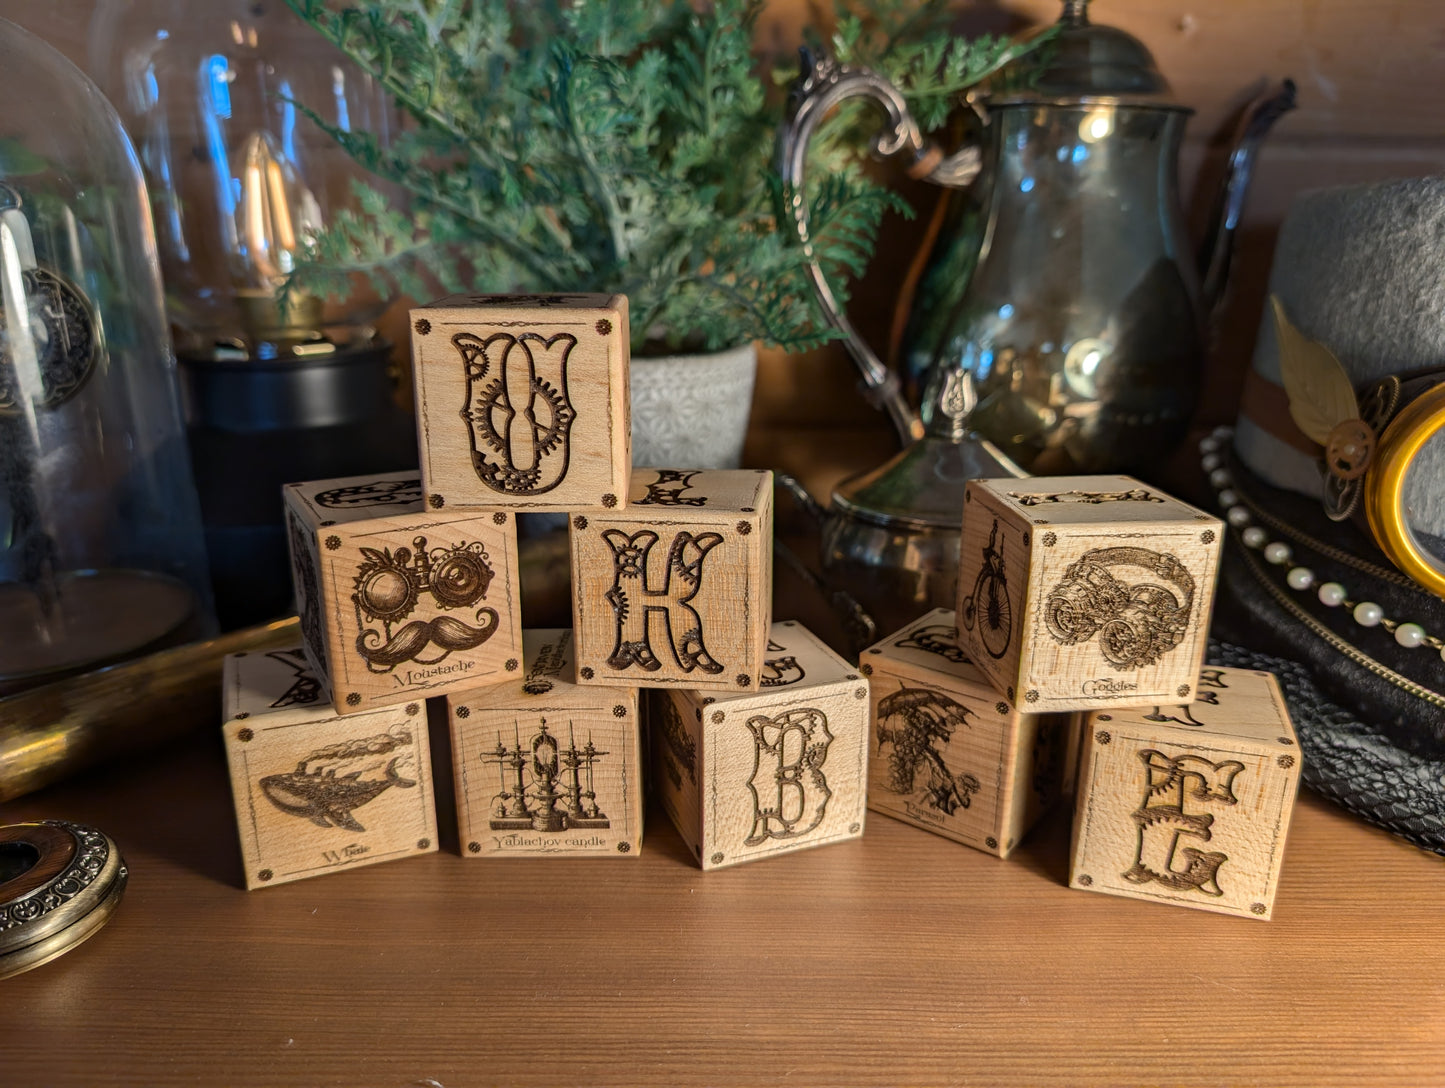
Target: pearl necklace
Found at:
x=1300, y=578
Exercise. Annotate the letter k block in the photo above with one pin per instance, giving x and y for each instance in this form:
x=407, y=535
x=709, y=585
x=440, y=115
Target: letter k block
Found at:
x=675, y=589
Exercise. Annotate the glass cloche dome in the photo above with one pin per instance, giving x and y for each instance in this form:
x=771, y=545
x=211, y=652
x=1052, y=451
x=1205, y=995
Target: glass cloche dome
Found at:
x=101, y=553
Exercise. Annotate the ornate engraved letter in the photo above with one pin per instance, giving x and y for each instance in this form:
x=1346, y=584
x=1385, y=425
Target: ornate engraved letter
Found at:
x=517, y=409
x=790, y=793
x=1170, y=781
x=635, y=595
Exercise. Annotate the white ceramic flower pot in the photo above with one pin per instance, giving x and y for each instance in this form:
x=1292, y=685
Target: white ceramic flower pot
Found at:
x=691, y=411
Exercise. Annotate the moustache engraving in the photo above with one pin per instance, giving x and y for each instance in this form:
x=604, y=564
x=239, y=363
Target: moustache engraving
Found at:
x=446, y=632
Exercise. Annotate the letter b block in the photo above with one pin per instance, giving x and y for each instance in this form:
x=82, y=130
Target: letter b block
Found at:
x=400, y=600
x=1189, y=805
x=522, y=400
x=676, y=590
x=783, y=768
x=1085, y=592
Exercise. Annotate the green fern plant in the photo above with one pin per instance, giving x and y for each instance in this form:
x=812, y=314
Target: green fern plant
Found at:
x=614, y=145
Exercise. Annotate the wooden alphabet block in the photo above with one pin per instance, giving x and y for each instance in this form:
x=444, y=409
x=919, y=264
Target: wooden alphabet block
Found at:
x=1085, y=592
x=544, y=767
x=522, y=400
x=676, y=590
x=782, y=768
x=316, y=792
x=400, y=600
x=1189, y=804
x=947, y=754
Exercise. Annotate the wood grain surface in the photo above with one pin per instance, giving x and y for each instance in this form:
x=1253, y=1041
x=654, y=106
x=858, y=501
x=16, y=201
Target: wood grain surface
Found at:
x=899, y=958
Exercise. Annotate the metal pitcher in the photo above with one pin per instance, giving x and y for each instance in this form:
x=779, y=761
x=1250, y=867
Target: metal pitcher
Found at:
x=1077, y=343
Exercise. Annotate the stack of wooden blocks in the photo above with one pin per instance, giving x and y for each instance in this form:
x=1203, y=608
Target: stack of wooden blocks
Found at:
x=1074, y=660
x=407, y=587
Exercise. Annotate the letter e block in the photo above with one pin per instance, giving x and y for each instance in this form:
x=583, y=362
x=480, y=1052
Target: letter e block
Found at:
x=400, y=600
x=544, y=767
x=1189, y=804
x=316, y=792
x=522, y=400
x=1085, y=592
x=782, y=768
x=676, y=590
x=947, y=754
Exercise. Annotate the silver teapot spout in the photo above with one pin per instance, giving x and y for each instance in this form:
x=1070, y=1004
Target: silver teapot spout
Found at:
x=1218, y=249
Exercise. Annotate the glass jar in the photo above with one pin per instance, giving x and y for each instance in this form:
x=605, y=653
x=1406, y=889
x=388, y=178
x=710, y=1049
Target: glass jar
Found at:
x=101, y=553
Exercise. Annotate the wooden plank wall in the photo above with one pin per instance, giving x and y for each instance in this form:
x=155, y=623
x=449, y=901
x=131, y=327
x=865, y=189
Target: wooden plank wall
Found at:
x=1371, y=80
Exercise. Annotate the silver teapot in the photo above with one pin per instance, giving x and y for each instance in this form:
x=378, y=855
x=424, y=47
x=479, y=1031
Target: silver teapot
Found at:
x=1077, y=343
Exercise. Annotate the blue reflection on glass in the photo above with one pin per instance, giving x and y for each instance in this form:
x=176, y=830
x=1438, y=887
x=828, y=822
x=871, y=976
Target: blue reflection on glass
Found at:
x=1027, y=185
x=1006, y=311
x=1081, y=153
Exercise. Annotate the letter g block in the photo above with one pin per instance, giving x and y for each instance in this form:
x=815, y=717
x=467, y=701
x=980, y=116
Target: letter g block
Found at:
x=1189, y=804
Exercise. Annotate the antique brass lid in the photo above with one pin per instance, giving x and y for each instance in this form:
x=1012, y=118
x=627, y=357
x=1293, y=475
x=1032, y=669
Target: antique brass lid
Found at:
x=1083, y=62
x=59, y=884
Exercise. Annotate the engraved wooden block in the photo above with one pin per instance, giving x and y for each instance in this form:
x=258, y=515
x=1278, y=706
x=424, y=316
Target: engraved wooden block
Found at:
x=947, y=754
x=316, y=792
x=1189, y=804
x=544, y=767
x=400, y=600
x=522, y=400
x=676, y=590
x=1085, y=592
x=782, y=768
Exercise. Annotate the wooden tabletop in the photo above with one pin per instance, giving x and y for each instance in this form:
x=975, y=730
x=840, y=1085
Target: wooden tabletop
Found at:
x=901, y=958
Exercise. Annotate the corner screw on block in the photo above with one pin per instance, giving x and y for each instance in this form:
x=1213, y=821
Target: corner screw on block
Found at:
x=1102, y=737
x=1207, y=537
x=333, y=542
x=744, y=680
x=860, y=693
x=717, y=717
x=499, y=518
x=474, y=848
x=619, y=711
x=436, y=502
x=1183, y=691
x=579, y=522
x=1086, y=880
x=1285, y=761
x=865, y=669
x=423, y=844
x=265, y=874
x=1050, y=539
x=1031, y=696
x=412, y=708
x=511, y=665
x=853, y=829
x=422, y=326
x=717, y=859
x=464, y=712
x=1000, y=708
x=245, y=735
x=586, y=672
x=603, y=327
x=991, y=843
x=609, y=500
x=624, y=847
x=353, y=698
x=1257, y=908
x=744, y=528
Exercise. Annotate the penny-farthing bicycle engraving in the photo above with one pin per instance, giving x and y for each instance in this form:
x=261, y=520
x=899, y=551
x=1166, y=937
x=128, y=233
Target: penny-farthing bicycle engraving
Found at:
x=988, y=606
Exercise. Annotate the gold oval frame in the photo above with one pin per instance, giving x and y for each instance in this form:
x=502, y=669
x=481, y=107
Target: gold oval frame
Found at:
x=1384, y=495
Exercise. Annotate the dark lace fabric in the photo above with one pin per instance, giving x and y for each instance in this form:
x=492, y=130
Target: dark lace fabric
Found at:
x=1369, y=745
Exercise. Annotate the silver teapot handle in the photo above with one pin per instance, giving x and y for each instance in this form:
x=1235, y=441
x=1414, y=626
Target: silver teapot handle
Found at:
x=822, y=85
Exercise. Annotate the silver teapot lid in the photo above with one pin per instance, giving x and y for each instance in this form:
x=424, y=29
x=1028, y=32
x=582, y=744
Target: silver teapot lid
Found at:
x=1083, y=61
